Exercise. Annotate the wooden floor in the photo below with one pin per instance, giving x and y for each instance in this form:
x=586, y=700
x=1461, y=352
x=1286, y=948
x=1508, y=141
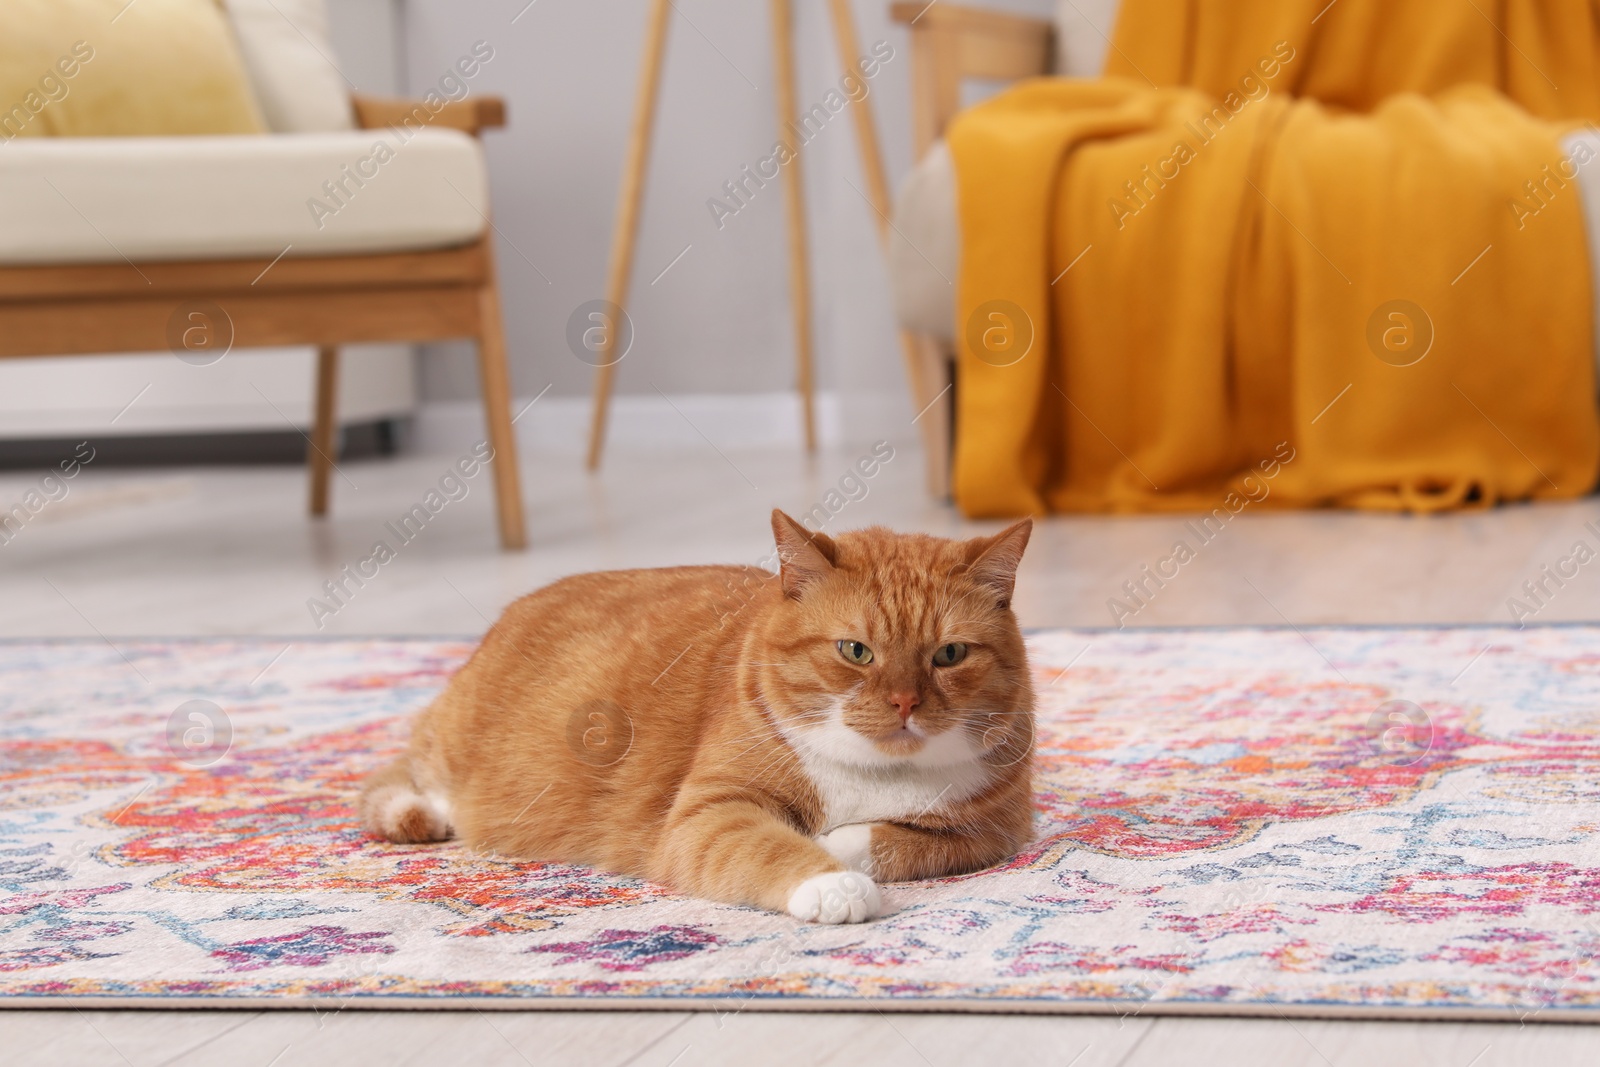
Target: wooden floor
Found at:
x=757, y=1039
x=227, y=551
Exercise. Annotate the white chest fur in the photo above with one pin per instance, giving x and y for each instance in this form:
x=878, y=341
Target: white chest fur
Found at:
x=855, y=794
x=858, y=784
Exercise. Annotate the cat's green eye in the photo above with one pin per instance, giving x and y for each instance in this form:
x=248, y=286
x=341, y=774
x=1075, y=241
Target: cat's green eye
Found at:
x=855, y=652
x=949, y=655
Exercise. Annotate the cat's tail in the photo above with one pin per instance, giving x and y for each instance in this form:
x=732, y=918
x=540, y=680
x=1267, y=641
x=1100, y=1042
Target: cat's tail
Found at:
x=394, y=807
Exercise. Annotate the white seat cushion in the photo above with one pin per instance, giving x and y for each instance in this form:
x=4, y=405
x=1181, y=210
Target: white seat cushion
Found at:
x=925, y=246
x=103, y=199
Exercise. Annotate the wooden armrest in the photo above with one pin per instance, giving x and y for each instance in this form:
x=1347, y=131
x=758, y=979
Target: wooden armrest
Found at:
x=950, y=43
x=472, y=115
x=968, y=19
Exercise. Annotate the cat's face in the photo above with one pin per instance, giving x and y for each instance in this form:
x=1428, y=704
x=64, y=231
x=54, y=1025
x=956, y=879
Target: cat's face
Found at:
x=892, y=648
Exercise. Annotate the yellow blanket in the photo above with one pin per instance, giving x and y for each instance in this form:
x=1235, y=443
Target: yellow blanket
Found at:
x=1170, y=303
x=1543, y=54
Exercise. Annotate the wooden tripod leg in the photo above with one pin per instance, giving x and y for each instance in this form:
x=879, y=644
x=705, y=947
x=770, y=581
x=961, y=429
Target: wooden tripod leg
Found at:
x=629, y=199
x=844, y=32
x=496, y=384
x=794, y=188
x=927, y=368
x=324, y=439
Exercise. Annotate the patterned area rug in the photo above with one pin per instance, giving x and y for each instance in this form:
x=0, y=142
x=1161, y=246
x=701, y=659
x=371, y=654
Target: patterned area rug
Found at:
x=1372, y=822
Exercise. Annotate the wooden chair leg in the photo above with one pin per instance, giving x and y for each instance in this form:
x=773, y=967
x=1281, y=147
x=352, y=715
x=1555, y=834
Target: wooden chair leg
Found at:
x=324, y=440
x=496, y=382
x=933, y=394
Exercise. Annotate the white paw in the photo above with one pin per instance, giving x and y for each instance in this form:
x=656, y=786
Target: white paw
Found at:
x=836, y=897
x=851, y=845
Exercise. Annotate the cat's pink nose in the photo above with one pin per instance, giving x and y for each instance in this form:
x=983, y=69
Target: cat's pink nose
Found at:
x=905, y=703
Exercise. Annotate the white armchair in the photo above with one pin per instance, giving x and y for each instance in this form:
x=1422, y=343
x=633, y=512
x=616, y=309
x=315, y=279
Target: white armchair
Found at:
x=353, y=220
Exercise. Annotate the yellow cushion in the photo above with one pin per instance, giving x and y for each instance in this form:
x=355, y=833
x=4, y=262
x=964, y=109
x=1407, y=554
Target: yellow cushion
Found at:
x=103, y=68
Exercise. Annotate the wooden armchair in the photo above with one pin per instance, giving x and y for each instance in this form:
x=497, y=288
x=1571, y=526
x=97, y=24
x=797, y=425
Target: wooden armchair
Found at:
x=118, y=303
x=950, y=44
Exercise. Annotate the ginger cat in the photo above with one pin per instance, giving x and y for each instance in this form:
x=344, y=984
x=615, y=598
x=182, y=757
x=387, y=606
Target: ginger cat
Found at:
x=784, y=740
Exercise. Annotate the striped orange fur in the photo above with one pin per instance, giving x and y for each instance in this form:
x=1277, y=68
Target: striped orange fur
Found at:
x=787, y=741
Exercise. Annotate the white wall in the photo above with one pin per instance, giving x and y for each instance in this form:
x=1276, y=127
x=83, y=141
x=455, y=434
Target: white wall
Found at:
x=718, y=322
x=366, y=35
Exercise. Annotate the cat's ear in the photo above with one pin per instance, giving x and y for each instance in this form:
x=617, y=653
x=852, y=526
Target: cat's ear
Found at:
x=803, y=557
x=992, y=561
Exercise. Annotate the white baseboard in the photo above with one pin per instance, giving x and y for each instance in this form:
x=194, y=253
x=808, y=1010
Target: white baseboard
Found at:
x=247, y=391
x=559, y=425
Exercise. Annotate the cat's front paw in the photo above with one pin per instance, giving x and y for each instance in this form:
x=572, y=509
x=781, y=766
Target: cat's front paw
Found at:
x=851, y=845
x=836, y=897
